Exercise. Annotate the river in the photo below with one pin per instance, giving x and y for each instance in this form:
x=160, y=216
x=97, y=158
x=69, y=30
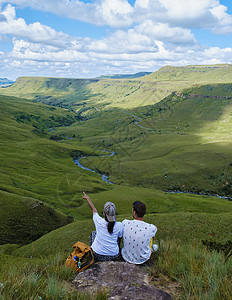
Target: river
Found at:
x=103, y=176
x=200, y=194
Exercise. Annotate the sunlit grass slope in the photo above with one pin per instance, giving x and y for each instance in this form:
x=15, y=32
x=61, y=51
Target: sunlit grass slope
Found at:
x=182, y=143
x=179, y=137
x=184, y=227
x=220, y=73
x=151, y=89
x=188, y=131
x=62, y=92
x=42, y=169
x=86, y=95
x=37, y=169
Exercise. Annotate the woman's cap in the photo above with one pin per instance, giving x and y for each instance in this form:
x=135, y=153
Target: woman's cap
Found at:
x=110, y=211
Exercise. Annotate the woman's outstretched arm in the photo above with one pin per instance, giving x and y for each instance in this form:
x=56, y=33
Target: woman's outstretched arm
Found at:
x=91, y=205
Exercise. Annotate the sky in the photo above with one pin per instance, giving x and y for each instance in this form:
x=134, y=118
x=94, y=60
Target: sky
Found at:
x=89, y=38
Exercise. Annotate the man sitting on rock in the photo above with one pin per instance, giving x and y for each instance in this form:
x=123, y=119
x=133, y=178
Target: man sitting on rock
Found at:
x=137, y=236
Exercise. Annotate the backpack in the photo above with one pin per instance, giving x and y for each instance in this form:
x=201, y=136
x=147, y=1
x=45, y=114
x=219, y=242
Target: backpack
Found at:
x=80, y=258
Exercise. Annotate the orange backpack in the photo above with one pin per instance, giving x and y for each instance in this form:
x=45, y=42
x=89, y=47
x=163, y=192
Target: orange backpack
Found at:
x=81, y=258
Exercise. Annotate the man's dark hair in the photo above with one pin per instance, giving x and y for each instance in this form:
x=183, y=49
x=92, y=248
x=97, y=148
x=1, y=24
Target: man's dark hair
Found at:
x=140, y=208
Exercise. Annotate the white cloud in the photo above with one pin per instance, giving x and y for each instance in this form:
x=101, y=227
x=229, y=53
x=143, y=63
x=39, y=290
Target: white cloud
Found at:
x=153, y=33
x=208, y=14
x=182, y=10
x=119, y=13
x=35, y=32
x=221, y=54
x=34, y=51
x=224, y=20
x=100, y=61
x=163, y=32
x=115, y=13
x=142, y=4
x=123, y=42
x=92, y=64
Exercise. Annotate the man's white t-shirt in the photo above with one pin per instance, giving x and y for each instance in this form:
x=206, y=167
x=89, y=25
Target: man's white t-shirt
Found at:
x=104, y=242
x=136, y=238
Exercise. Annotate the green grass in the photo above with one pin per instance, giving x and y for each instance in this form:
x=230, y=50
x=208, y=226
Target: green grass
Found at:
x=118, y=93
x=37, y=174
x=35, y=166
x=200, y=274
x=187, y=271
x=23, y=219
x=185, y=145
x=47, y=278
x=183, y=226
x=181, y=260
x=58, y=91
x=186, y=135
x=195, y=73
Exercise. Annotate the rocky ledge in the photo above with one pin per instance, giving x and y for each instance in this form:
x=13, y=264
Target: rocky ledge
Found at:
x=121, y=280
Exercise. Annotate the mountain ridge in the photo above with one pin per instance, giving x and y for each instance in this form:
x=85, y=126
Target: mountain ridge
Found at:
x=4, y=82
x=106, y=93
x=124, y=76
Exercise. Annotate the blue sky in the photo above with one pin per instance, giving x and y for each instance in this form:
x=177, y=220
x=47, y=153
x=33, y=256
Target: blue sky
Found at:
x=80, y=38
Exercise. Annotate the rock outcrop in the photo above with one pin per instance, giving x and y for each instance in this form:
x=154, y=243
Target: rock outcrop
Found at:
x=121, y=280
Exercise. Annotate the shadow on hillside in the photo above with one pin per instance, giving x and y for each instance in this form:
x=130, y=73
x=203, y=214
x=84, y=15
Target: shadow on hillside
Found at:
x=181, y=143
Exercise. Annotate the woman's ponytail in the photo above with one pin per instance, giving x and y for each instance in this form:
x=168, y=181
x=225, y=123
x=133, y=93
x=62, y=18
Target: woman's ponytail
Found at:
x=110, y=226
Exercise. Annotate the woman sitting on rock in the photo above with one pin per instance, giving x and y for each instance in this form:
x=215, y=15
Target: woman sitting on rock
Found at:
x=104, y=241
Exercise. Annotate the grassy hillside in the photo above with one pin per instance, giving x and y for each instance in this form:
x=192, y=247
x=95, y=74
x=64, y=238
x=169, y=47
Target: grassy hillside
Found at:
x=53, y=91
x=177, y=226
x=170, y=131
x=194, y=73
x=89, y=94
x=174, y=144
x=170, y=145
x=37, y=169
x=24, y=219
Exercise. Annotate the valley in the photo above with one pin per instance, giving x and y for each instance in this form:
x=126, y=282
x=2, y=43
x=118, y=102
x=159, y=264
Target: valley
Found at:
x=153, y=138
x=168, y=145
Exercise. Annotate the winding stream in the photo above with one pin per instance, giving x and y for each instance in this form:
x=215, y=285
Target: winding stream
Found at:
x=137, y=122
x=104, y=176
x=200, y=194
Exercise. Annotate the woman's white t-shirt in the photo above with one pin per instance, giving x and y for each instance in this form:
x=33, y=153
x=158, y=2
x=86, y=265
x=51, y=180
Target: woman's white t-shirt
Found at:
x=104, y=242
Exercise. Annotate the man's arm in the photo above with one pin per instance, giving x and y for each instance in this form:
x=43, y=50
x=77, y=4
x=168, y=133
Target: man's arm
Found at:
x=91, y=205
